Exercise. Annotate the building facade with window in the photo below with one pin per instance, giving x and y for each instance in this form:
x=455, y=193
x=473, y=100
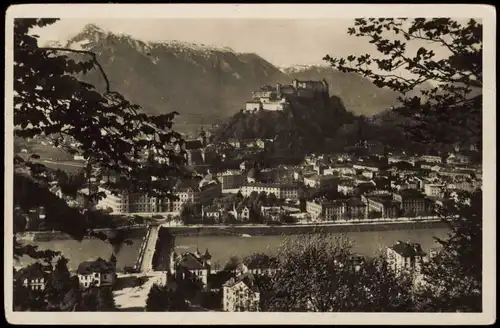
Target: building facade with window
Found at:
x=96, y=273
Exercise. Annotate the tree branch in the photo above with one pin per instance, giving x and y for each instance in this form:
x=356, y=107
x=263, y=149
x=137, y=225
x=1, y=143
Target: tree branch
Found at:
x=86, y=52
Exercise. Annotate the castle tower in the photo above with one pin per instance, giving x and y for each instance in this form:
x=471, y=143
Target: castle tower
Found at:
x=295, y=83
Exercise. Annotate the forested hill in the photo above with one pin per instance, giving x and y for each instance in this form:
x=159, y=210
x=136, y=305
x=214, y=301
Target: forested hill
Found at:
x=306, y=125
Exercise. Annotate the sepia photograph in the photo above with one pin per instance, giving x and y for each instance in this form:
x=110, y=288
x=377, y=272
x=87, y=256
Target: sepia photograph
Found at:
x=324, y=160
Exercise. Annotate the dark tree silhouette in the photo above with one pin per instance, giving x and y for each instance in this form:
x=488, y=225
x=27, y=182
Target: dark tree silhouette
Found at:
x=89, y=300
x=454, y=275
x=60, y=282
x=314, y=274
x=52, y=103
x=161, y=299
x=451, y=111
x=105, y=300
x=157, y=300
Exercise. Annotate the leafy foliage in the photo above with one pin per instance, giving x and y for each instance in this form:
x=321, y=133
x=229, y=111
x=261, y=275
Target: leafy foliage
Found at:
x=105, y=300
x=450, y=111
x=157, y=299
x=50, y=102
x=315, y=274
x=161, y=299
x=454, y=275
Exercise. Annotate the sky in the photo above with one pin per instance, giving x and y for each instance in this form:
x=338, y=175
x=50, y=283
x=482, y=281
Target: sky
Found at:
x=282, y=42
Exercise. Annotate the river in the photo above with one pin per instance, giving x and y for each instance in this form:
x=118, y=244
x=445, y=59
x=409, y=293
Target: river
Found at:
x=223, y=247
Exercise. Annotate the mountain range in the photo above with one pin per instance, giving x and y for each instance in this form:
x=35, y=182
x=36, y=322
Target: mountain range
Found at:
x=205, y=84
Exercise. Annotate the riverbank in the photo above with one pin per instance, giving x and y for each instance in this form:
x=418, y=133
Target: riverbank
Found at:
x=297, y=229
x=136, y=231
x=253, y=230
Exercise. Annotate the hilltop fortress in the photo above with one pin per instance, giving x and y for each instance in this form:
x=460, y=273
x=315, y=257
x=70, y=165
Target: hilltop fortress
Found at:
x=277, y=98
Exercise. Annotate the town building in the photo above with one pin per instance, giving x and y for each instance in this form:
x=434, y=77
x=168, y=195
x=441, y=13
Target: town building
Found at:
x=272, y=212
x=431, y=159
x=194, y=266
x=280, y=190
x=455, y=159
x=211, y=212
x=366, y=167
x=346, y=186
x=406, y=256
x=385, y=205
x=321, y=181
x=230, y=179
x=194, y=149
x=262, y=265
x=330, y=210
x=191, y=191
x=433, y=190
x=241, y=294
x=355, y=209
x=96, y=273
x=413, y=202
x=33, y=277
x=241, y=213
x=401, y=159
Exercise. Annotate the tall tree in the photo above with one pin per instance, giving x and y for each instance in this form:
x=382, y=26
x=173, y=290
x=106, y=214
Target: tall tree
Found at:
x=50, y=101
x=60, y=282
x=72, y=298
x=316, y=274
x=448, y=113
x=105, y=300
x=453, y=277
x=161, y=299
x=451, y=110
x=157, y=300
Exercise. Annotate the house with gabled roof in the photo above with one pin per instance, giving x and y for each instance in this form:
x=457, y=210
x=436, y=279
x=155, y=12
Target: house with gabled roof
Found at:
x=241, y=213
x=241, y=294
x=262, y=264
x=192, y=266
x=213, y=212
x=97, y=273
x=406, y=256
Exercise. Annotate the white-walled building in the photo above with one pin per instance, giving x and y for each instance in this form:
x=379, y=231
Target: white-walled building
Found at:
x=433, y=190
x=431, y=159
x=281, y=191
x=33, y=277
x=187, y=191
x=96, y=273
x=241, y=294
x=191, y=266
x=406, y=256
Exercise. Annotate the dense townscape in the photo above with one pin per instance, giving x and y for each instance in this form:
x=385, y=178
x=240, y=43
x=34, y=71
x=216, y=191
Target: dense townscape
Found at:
x=367, y=183
x=247, y=177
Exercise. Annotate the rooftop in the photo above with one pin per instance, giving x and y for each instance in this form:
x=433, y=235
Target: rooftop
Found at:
x=407, y=249
x=271, y=185
x=247, y=278
x=33, y=271
x=193, y=144
x=193, y=261
x=97, y=266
